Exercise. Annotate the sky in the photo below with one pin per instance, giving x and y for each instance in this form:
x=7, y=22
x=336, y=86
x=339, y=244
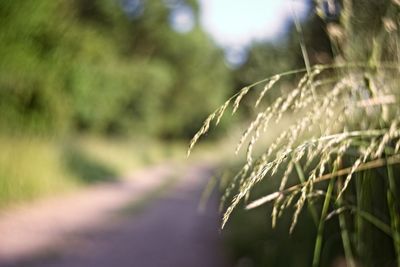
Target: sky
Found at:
x=234, y=24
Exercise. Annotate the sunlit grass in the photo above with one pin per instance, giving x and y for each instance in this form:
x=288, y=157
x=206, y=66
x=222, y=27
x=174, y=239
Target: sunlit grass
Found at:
x=339, y=127
x=33, y=168
x=30, y=168
x=125, y=155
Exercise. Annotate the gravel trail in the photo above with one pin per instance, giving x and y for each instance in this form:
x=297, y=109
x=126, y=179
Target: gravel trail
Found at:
x=118, y=224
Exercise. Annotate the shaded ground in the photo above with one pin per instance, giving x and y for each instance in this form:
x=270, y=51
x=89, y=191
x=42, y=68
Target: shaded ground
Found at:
x=111, y=225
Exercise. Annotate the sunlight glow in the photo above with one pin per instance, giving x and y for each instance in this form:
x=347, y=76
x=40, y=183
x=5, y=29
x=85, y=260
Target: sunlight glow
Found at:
x=237, y=23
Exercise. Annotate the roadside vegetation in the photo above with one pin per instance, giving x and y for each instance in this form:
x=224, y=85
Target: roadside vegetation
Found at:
x=90, y=90
x=32, y=168
x=338, y=158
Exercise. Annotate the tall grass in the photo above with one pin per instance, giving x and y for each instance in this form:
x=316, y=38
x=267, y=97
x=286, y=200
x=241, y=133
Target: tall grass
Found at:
x=343, y=144
x=31, y=168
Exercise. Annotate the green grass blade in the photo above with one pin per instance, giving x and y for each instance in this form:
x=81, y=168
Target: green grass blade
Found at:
x=345, y=233
x=321, y=226
x=393, y=211
x=310, y=206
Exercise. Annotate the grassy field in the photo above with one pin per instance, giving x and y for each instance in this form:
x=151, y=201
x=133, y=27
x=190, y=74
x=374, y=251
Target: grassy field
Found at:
x=32, y=168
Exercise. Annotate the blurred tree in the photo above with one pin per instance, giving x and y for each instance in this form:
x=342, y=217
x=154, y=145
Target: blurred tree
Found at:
x=28, y=98
x=119, y=67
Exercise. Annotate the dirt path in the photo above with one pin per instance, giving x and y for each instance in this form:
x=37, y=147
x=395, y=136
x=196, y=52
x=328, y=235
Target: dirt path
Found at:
x=105, y=225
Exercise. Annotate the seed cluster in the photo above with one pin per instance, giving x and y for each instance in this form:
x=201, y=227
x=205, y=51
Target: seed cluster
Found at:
x=353, y=114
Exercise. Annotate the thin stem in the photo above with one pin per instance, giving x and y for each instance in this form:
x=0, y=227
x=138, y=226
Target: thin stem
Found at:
x=373, y=220
x=321, y=226
x=365, y=166
x=383, y=65
x=310, y=206
x=302, y=42
x=360, y=180
x=393, y=211
x=344, y=232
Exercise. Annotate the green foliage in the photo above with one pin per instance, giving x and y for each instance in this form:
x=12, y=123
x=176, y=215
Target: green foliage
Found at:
x=88, y=66
x=30, y=168
x=84, y=168
x=73, y=68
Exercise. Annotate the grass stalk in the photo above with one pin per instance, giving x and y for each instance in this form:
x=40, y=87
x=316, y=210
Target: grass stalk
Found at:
x=321, y=226
x=365, y=166
x=373, y=220
x=302, y=42
x=310, y=205
x=359, y=220
x=393, y=211
x=344, y=231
